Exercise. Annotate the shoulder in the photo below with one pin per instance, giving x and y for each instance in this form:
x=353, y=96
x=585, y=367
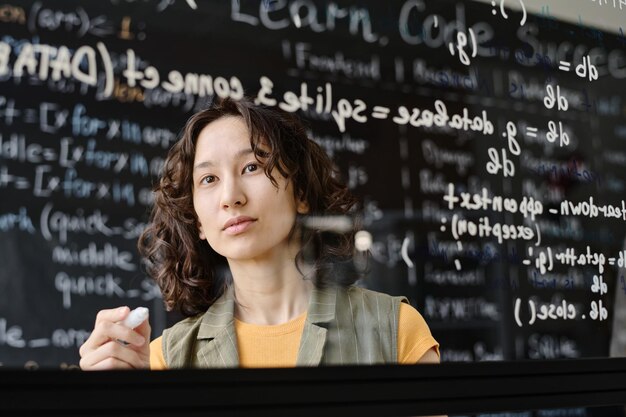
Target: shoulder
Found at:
x=414, y=336
x=360, y=298
x=157, y=361
x=410, y=319
x=183, y=327
x=354, y=291
x=364, y=307
x=178, y=337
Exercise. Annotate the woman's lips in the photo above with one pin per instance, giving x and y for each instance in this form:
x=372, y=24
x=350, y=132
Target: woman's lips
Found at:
x=239, y=227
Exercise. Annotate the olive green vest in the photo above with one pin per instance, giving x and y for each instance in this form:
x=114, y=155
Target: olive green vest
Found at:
x=344, y=326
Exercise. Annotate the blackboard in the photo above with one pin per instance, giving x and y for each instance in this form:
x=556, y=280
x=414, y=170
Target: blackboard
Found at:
x=484, y=140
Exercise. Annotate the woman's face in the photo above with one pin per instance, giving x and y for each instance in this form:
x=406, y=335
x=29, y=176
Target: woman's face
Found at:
x=241, y=214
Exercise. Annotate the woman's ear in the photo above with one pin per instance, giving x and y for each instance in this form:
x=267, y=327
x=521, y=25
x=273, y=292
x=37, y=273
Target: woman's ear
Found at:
x=302, y=207
x=201, y=233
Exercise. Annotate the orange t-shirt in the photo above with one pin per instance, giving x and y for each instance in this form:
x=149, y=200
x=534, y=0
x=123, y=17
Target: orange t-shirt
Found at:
x=276, y=346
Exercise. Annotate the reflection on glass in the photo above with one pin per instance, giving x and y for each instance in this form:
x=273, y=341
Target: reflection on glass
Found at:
x=606, y=411
x=484, y=142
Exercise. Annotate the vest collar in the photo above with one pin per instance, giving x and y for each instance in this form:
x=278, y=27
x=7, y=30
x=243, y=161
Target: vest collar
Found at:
x=219, y=316
x=222, y=312
x=219, y=340
x=322, y=305
x=320, y=313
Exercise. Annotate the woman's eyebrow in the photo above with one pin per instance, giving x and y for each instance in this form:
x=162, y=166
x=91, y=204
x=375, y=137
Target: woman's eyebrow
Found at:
x=209, y=163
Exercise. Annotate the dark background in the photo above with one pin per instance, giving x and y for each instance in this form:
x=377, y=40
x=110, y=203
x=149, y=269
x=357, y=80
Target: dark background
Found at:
x=387, y=55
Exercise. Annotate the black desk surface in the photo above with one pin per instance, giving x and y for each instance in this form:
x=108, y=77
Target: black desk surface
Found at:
x=363, y=391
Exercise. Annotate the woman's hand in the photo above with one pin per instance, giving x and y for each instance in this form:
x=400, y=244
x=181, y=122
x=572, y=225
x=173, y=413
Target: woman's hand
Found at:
x=104, y=351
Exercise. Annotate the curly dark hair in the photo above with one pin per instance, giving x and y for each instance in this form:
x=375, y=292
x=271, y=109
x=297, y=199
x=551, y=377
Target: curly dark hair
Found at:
x=183, y=265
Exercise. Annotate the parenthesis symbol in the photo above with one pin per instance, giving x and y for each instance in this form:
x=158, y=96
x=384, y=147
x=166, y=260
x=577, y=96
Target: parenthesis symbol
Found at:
x=533, y=312
x=538, y=242
x=454, y=222
x=473, y=36
x=32, y=16
x=108, y=69
x=502, y=10
x=518, y=303
x=84, y=27
x=43, y=221
x=524, y=10
x=404, y=251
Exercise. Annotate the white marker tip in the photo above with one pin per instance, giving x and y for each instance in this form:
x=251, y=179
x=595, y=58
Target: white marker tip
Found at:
x=136, y=317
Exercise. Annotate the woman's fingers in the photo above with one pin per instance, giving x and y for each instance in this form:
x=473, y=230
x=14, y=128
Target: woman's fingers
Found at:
x=106, y=331
x=113, y=314
x=112, y=354
x=110, y=363
x=99, y=334
x=105, y=348
x=144, y=329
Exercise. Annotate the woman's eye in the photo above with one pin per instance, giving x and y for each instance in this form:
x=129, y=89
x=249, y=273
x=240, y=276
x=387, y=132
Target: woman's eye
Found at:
x=207, y=180
x=251, y=167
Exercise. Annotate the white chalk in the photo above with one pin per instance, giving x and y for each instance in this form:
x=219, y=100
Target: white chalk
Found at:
x=136, y=317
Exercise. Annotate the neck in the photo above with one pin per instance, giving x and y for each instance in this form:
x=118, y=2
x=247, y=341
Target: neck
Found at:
x=270, y=293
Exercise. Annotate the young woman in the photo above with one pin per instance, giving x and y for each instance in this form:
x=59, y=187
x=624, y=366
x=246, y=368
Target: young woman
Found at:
x=236, y=188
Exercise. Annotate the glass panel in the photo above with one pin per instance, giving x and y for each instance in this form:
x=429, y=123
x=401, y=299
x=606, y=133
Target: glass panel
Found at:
x=484, y=141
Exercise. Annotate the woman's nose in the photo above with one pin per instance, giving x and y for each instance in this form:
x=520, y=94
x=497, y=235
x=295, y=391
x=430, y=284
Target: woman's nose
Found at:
x=232, y=194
